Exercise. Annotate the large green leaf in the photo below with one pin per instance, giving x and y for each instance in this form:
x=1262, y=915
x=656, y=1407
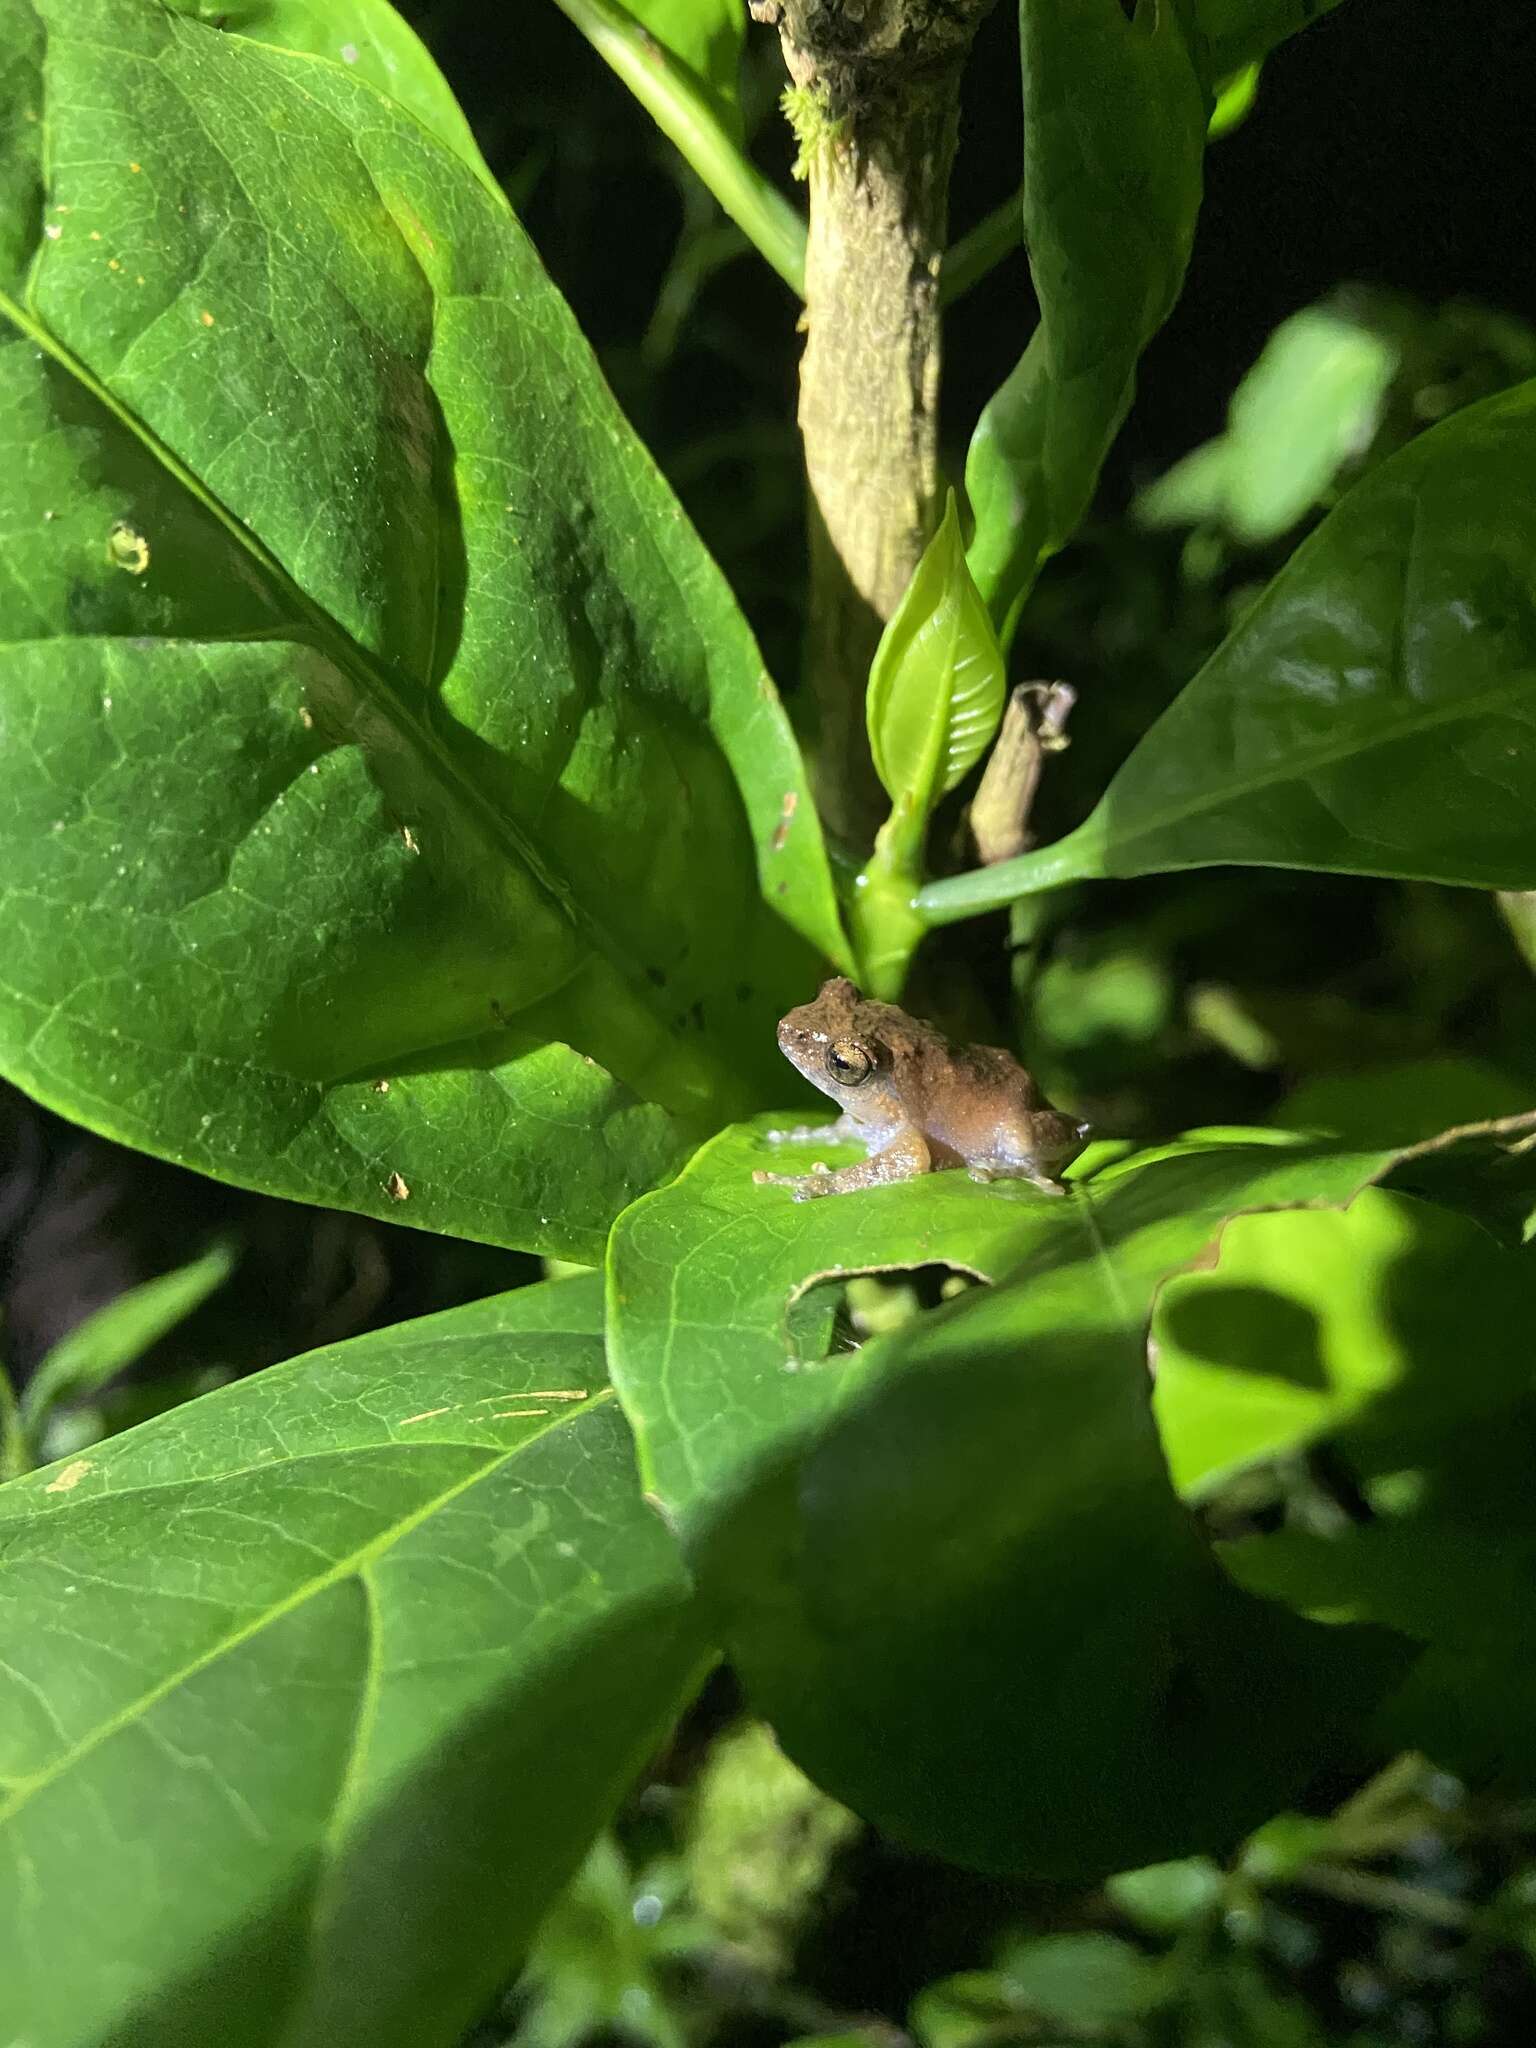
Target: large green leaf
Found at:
x=371, y=714
x=1317, y=1321
x=313, y=1692
x=952, y=1569
x=1398, y=1333
x=1114, y=137
x=1116, y=109
x=1374, y=713
x=367, y=36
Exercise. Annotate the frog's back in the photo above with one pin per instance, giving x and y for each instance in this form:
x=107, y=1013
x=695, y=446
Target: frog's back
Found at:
x=979, y=1102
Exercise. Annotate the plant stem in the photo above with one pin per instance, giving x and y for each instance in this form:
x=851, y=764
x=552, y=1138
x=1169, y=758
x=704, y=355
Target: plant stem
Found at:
x=989, y=243
x=681, y=110
x=1073, y=859
x=876, y=106
x=1383, y=1894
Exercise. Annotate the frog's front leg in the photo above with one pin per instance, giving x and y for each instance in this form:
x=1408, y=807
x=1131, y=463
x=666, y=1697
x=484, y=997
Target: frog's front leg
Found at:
x=904, y=1157
x=842, y=1132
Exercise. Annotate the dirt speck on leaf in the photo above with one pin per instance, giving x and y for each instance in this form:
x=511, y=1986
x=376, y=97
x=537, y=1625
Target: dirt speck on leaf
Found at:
x=787, y=809
x=70, y=1477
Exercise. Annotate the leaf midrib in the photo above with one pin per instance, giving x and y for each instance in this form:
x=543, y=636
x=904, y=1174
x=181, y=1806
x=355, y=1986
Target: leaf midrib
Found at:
x=1300, y=767
x=334, y=1574
x=333, y=641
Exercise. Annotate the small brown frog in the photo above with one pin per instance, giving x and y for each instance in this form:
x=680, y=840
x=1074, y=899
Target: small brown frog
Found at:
x=918, y=1102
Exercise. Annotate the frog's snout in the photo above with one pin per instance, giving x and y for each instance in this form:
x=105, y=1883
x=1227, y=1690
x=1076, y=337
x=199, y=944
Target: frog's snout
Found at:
x=792, y=1039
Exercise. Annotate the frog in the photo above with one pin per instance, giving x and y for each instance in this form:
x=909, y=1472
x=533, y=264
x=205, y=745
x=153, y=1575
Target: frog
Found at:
x=917, y=1102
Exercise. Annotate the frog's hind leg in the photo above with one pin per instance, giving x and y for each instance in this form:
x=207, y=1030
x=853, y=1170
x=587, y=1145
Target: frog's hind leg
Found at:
x=1012, y=1158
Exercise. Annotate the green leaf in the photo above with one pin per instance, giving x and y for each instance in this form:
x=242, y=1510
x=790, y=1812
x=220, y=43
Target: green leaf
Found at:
x=1239, y=32
x=1373, y=713
x=680, y=59
x=1115, y=118
x=369, y=38
x=936, y=683
x=951, y=1569
x=1406, y=1100
x=1163, y=1897
x=315, y=1690
x=708, y=36
x=1081, y=1980
x=1235, y=98
x=111, y=1339
x=15, y=1452
x=1310, y=402
x=1314, y=1320
x=1398, y=1331
x=371, y=715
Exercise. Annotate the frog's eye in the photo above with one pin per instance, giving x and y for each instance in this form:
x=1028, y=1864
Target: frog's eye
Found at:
x=848, y=1063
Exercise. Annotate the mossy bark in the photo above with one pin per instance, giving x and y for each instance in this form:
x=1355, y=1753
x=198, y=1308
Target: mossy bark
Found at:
x=876, y=109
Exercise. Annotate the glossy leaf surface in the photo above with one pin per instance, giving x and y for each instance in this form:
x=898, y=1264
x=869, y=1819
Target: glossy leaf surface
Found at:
x=936, y=685
x=371, y=714
x=1373, y=713
x=952, y=1569
x=1395, y=1333
x=1115, y=118
x=1117, y=104
x=1317, y=1321
x=315, y=1690
x=366, y=36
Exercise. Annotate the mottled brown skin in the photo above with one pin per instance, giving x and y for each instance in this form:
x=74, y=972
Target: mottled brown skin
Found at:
x=918, y=1102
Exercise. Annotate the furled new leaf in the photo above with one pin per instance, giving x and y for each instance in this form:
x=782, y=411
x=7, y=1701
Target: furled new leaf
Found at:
x=390, y=787
x=1374, y=713
x=936, y=684
x=314, y=1691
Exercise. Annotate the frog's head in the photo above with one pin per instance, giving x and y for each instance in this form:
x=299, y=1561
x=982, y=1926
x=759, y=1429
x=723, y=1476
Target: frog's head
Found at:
x=838, y=1044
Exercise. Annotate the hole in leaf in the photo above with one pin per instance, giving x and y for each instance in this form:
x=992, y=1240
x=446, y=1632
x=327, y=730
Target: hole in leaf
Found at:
x=836, y=1312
